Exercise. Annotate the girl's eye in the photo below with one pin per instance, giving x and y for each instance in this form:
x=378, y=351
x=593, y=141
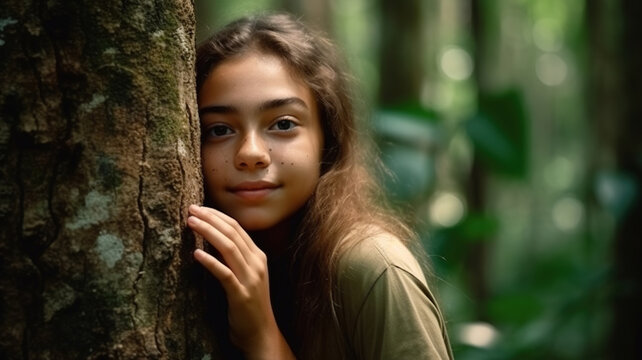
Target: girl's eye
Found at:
x=284, y=125
x=218, y=131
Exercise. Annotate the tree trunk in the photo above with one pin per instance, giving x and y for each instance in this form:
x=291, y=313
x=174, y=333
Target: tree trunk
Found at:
x=401, y=52
x=99, y=142
x=616, y=84
x=315, y=13
x=476, y=188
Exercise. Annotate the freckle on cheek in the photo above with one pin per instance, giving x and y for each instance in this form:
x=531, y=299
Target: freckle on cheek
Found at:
x=291, y=163
x=282, y=163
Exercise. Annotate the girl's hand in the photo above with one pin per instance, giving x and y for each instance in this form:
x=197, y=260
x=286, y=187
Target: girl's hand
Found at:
x=243, y=274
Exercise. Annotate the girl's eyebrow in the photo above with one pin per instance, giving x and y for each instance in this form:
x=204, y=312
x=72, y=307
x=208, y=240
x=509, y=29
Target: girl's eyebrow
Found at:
x=267, y=105
x=276, y=103
x=217, y=109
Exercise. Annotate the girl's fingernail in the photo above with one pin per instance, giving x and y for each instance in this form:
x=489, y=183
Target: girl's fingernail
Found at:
x=192, y=220
x=193, y=207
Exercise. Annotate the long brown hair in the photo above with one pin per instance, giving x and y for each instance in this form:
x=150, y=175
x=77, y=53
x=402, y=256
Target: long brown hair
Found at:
x=346, y=196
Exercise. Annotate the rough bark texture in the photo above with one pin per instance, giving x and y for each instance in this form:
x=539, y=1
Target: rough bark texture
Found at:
x=100, y=160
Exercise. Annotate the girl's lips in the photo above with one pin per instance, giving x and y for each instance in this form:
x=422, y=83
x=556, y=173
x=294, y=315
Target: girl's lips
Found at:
x=253, y=190
x=254, y=195
x=253, y=185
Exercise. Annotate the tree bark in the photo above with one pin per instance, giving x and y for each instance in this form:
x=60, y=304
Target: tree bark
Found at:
x=99, y=142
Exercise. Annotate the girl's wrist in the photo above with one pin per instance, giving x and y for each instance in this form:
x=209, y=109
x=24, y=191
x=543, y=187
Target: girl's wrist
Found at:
x=272, y=346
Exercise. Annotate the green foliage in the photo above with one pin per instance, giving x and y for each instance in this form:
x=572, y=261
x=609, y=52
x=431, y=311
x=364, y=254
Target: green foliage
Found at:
x=453, y=243
x=408, y=138
x=414, y=110
x=499, y=132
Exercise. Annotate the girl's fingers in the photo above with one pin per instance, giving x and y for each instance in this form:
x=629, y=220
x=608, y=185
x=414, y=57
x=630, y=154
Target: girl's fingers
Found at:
x=234, y=225
x=224, y=275
x=254, y=256
x=228, y=226
x=229, y=249
x=214, y=218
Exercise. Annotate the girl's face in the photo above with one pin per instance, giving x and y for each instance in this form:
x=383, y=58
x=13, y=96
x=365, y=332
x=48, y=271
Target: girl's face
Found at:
x=262, y=140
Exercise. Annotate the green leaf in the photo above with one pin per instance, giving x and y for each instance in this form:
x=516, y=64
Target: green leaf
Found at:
x=516, y=308
x=499, y=132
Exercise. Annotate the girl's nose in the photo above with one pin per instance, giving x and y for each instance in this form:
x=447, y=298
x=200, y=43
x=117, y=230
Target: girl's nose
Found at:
x=252, y=154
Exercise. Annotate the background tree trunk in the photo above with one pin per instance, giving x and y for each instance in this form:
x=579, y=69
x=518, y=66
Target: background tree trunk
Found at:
x=401, y=52
x=100, y=160
x=476, y=187
x=616, y=110
x=316, y=13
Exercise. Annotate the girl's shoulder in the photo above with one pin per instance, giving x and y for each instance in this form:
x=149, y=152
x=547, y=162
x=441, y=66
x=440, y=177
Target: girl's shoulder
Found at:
x=375, y=252
x=380, y=285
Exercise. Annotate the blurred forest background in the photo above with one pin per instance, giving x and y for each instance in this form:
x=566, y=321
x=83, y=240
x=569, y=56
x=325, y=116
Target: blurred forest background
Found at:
x=513, y=130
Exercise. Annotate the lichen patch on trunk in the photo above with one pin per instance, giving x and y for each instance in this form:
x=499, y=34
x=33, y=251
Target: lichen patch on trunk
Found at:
x=94, y=211
x=109, y=248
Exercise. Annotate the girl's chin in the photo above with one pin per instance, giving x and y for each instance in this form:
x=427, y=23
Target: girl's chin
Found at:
x=283, y=228
x=255, y=223
x=263, y=220
x=256, y=226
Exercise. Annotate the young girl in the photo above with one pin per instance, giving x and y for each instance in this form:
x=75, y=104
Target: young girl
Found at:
x=312, y=266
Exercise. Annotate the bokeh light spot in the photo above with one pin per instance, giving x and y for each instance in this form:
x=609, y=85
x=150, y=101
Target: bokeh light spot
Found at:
x=568, y=213
x=447, y=209
x=478, y=334
x=546, y=35
x=456, y=63
x=551, y=69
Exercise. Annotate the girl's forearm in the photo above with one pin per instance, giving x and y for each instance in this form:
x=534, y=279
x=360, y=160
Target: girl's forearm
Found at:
x=274, y=346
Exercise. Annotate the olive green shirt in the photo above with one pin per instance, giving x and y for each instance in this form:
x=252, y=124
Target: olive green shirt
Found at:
x=384, y=309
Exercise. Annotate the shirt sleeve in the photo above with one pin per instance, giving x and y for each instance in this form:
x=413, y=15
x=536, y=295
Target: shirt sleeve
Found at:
x=399, y=319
